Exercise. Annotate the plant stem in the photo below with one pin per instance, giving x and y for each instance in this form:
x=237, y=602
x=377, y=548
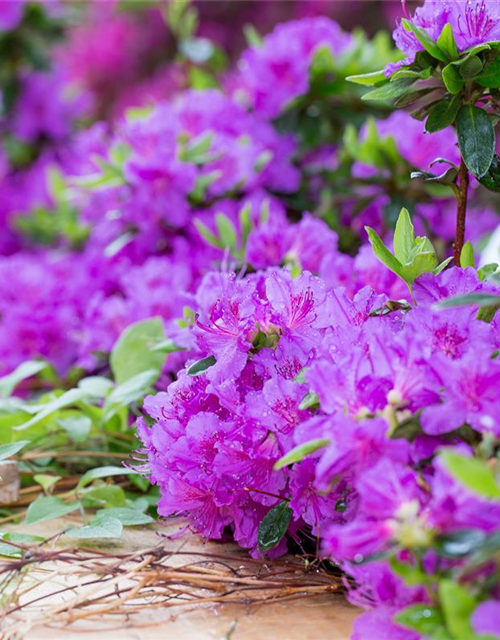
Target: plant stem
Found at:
x=463, y=174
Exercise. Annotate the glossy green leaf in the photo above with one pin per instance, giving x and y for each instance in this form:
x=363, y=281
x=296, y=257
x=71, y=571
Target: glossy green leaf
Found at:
x=425, y=40
x=473, y=473
x=443, y=114
x=470, y=67
x=133, y=352
x=274, y=526
x=391, y=90
x=383, y=253
x=47, y=508
x=200, y=367
x=446, y=42
x=452, y=79
x=490, y=75
x=442, y=266
x=476, y=139
x=404, y=236
x=368, y=79
x=300, y=452
x=491, y=179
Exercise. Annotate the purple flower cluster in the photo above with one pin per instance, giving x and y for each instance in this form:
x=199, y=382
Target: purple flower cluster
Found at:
x=271, y=76
x=278, y=341
x=473, y=22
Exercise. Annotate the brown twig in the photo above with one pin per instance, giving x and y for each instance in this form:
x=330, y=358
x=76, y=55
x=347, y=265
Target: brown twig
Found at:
x=104, y=587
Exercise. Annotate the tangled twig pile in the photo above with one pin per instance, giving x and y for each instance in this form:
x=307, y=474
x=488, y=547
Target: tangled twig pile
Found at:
x=72, y=586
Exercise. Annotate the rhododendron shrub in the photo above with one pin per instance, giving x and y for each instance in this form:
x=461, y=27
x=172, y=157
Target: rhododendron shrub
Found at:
x=242, y=265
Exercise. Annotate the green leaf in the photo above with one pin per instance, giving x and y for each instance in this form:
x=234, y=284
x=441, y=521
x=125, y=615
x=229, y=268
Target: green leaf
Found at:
x=227, y=232
x=476, y=139
x=25, y=370
x=8, y=450
x=200, y=367
x=100, y=527
x=411, y=574
x=452, y=79
x=472, y=473
x=102, y=472
x=470, y=299
x=368, y=79
x=11, y=551
x=119, y=243
x=422, y=618
x=422, y=262
x=470, y=67
x=46, y=481
x=309, y=400
x=467, y=256
x=47, y=508
x=274, y=526
x=460, y=543
x=442, y=266
x=133, y=352
x=103, y=496
x=446, y=42
x=383, y=253
x=490, y=75
x=128, y=517
x=245, y=223
x=129, y=392
x=404, y=237
x=300, y=452
x=487, y=271
x=96, y=386
x=491, y=179
x=67, y=399
x=206, y=234
x=168, y=346
x=425, y=40
x=391, y=90
x=457, y=606
x=77, y=427
x=443, y=114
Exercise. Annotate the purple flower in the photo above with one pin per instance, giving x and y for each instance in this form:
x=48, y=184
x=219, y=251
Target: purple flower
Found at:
x=473, y=22
x=486, y=619
x=272, y=75
x=11, y=14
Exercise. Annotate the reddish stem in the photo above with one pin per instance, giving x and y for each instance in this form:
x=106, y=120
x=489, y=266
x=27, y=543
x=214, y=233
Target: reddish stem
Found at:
x=463, y=175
